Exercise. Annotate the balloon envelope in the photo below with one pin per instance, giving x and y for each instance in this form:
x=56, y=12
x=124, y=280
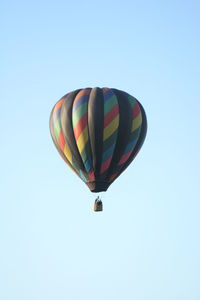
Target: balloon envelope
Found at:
x=98, y=132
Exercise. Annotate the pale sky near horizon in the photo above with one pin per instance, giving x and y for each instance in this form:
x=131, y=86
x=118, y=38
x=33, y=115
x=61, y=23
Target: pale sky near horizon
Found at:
x=146, y=243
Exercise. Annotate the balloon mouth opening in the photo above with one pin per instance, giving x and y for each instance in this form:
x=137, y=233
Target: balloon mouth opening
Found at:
x=98, y=186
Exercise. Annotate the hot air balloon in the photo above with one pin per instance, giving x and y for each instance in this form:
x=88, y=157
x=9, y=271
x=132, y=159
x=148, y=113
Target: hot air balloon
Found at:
x=98, y=132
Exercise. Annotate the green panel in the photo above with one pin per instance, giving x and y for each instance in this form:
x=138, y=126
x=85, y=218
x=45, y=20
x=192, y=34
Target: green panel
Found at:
x=79, y=113
x=109, y=104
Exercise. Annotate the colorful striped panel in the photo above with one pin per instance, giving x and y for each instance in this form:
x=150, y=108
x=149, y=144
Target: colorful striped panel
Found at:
x=58, y=131
x=80, y=128
x=135, y=130
x=111, y=124
x=59, y=137
x=134, y=136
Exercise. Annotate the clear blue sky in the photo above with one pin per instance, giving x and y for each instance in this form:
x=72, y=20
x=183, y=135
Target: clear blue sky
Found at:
x=146, y=243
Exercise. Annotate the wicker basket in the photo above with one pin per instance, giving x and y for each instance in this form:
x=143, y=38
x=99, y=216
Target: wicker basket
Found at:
x=98, y=205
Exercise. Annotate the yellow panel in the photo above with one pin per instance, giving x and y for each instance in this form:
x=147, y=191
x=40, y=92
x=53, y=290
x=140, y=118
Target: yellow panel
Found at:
x=136, y=122
x=82, y=140
x=68, y=154
x=108, y=131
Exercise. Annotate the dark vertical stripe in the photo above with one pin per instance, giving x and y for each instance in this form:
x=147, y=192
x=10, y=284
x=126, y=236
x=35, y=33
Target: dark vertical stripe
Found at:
x=95, y=127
